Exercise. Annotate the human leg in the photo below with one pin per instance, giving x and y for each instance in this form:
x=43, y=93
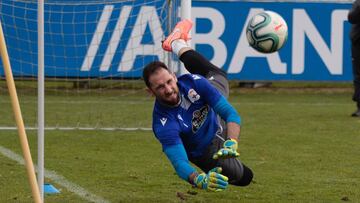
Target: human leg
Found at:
x=238, y=173
x=194, y=62
x=355, y=50
x=181, y=31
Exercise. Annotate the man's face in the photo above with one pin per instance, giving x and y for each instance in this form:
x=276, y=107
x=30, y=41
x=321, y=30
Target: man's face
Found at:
x=163, y=85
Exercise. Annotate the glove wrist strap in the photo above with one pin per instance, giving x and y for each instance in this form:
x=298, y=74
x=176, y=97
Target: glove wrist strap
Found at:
x=192, y=178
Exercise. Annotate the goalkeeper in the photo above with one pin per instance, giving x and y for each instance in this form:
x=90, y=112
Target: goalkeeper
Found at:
x=192, y=118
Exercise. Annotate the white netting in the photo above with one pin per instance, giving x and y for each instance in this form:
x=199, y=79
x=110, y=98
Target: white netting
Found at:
x=94, y=54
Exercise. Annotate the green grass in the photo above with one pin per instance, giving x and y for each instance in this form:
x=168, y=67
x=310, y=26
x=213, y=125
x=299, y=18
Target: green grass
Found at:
x=300, y=142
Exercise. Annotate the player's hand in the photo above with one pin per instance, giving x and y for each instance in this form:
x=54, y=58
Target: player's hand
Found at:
x=229, y=150
x=212, y=181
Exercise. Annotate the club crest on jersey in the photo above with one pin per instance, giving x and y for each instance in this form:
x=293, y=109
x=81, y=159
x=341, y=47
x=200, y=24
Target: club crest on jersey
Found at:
x=163, y=121
x=199, y=117
x=193, y=95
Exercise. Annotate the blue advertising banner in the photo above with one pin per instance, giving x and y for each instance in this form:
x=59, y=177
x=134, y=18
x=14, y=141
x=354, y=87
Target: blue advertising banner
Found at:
x=93, y=40
x=317, y=49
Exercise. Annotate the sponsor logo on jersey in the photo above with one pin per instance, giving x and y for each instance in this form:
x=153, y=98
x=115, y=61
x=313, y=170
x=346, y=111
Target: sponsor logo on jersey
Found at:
x=199, y=117
x=193, y=95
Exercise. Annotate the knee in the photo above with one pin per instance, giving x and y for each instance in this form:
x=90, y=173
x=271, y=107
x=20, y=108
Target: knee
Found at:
x=245, y=179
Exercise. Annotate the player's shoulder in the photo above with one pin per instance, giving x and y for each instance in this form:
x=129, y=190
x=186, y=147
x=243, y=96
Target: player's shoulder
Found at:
x=163, y=119
x=190, y=80
x=190, y=77
x=161, y=111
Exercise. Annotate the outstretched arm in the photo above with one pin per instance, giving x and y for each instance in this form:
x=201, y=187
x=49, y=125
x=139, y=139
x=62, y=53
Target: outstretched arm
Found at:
x=212, y=181
x=230, y=116
x=233, y=130
x=178, y=158
x=228, y=113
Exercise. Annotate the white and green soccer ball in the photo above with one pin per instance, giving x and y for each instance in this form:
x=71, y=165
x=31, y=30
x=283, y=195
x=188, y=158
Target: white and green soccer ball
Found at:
x=267, y=32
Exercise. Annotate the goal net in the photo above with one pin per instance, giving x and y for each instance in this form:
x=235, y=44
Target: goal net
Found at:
x=95, y=51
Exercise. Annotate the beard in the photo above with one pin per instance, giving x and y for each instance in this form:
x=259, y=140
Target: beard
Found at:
x=172, y=99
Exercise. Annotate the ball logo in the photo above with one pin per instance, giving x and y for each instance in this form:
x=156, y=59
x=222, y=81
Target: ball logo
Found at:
x=278, y=27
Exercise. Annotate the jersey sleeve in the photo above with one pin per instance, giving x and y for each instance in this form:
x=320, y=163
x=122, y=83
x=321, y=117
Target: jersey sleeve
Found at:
x=166, y=130
x=178, y=158
x=227, y=111
x=216, y=100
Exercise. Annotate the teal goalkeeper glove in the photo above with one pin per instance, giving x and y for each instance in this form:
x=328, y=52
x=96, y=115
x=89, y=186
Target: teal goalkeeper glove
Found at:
x=228, y=151
x=212, y=181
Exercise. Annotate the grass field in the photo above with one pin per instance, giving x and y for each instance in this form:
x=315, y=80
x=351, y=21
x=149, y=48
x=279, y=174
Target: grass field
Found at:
x=300, y=142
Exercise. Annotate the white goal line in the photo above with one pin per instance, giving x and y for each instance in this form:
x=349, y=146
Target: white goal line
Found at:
x=79, y=128
x=61, y=180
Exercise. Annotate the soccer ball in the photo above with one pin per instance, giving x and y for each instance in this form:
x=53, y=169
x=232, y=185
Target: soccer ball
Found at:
x=267, y=32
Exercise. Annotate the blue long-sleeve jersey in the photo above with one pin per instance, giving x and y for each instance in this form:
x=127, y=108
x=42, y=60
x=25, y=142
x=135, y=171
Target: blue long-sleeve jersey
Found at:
x=193, y=123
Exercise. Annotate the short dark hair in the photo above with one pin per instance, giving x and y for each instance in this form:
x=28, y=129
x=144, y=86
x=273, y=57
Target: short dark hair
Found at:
x=152, y=68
